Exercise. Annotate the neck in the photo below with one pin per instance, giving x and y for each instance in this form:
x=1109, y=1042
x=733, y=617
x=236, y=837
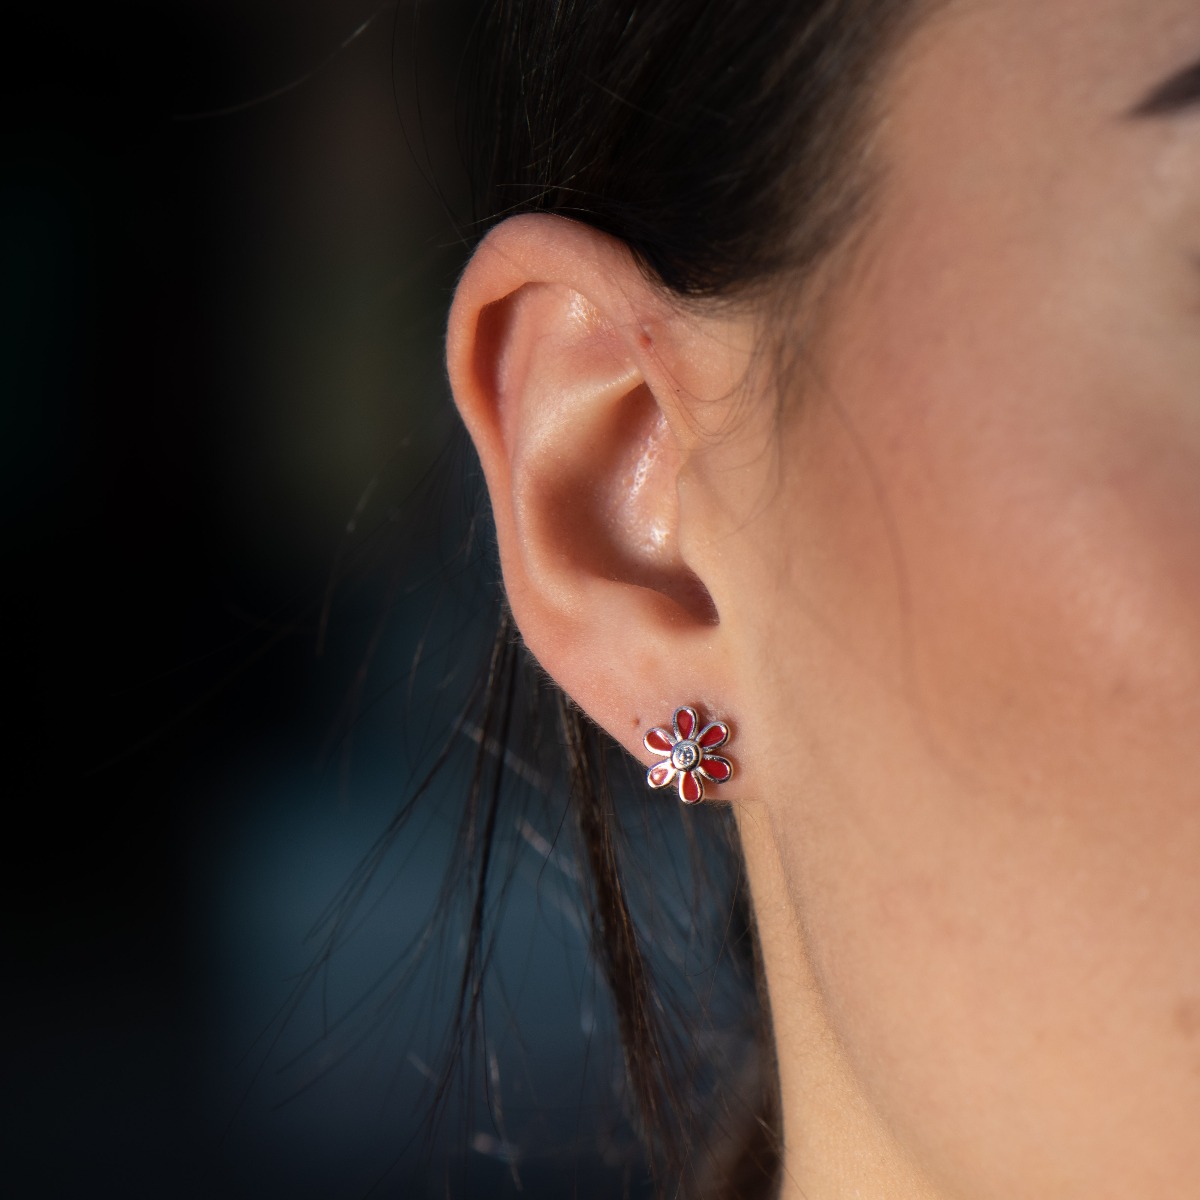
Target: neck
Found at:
x=835, y=1144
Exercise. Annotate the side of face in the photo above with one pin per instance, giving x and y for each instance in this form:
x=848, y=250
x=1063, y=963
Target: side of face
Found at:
x=947, y=594
x=970, y=650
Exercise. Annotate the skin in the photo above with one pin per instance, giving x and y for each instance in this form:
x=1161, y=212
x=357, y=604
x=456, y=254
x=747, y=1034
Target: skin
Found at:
x=946, y=592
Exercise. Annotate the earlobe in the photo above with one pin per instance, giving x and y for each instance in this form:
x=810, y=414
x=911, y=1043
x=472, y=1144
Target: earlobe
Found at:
x=561, y=359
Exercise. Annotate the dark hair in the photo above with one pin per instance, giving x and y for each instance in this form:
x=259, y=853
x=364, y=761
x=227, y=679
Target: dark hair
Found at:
x=722, y=140
x=725, y=142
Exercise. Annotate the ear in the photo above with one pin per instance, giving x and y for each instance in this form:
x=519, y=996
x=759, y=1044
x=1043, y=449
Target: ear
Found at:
x=590, y=396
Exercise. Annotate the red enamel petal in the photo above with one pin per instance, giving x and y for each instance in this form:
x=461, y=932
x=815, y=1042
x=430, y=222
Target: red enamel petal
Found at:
x=660, y=775
x=685, y=722
x=658, y=741
x=714, y=735
x=716, y=767
x=691, y=790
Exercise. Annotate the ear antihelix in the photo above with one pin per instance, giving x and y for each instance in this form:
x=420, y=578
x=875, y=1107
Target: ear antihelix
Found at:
x=615, y=505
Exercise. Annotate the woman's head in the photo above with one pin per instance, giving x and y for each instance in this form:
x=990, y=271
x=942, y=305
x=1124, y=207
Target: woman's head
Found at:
x=940, y=573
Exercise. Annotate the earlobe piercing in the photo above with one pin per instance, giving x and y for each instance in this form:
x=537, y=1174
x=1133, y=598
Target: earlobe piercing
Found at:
x=687, y=755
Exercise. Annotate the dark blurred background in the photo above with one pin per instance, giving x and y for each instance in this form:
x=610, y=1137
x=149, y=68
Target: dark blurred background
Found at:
x=224, y=433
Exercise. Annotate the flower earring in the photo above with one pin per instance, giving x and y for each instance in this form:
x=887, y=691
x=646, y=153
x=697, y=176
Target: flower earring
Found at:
x=687, y=755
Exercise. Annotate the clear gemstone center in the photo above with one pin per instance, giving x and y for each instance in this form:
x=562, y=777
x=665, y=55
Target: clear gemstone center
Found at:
x=685, y=755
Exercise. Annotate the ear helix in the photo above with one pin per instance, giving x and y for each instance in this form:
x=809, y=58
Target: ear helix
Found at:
x=687, y=755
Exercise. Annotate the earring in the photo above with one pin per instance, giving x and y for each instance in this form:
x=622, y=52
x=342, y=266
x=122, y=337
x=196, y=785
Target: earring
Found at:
x=687, y=755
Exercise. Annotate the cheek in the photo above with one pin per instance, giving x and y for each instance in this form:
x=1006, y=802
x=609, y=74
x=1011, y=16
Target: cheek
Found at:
x=1046, y=521
x=1017, y=417
x=1000, y=699
x=992, y=584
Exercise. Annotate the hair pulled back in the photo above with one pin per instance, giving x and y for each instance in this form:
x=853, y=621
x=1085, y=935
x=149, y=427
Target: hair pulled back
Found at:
x=722, y=140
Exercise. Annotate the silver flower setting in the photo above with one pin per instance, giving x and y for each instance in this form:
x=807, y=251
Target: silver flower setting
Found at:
x=687, y=755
